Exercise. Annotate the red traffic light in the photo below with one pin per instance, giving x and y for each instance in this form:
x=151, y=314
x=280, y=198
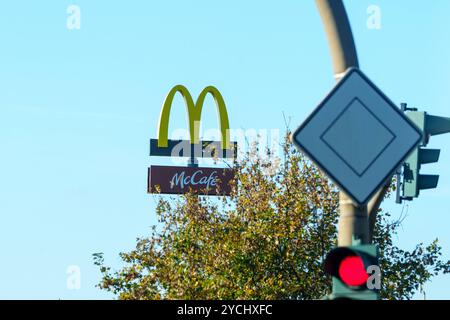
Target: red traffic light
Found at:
x=352, y=271
x=349, y=265
x=349, y=269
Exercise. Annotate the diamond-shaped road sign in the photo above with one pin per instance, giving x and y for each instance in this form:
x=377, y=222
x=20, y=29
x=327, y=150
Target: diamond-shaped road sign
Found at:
x=357, y=136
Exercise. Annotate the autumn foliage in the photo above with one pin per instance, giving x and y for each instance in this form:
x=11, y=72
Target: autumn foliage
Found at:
x=268, y=240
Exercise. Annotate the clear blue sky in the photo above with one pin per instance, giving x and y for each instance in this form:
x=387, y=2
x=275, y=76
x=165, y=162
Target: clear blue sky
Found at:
x=79, y=107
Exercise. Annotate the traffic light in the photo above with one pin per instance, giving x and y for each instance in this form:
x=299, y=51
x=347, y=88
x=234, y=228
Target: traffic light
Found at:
x=355, y=272
x=413, y=180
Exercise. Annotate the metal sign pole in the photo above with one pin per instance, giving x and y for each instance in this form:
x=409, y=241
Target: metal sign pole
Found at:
x=353, y=222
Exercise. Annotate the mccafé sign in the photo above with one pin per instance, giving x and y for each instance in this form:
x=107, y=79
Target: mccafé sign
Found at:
x=202, y=180
x=178, y=180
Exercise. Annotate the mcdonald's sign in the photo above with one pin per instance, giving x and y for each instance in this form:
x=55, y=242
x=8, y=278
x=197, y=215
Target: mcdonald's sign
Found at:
x=178, y=180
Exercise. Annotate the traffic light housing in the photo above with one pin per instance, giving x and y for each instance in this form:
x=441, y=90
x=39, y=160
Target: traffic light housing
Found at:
x=413, y=180
x=355, y=272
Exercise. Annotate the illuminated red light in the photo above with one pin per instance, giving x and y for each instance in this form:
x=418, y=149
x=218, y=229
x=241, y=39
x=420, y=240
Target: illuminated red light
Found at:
x=352, y=271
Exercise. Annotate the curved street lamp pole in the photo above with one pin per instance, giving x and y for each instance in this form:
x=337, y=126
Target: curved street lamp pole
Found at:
x=356, y=223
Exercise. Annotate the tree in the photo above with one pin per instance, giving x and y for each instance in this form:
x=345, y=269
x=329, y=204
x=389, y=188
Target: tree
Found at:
x=268, y=240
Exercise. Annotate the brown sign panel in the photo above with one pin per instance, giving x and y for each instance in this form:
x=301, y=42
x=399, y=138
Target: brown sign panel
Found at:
x=179, y=180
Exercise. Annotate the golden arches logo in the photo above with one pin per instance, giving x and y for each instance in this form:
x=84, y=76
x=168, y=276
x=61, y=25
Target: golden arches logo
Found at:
x=194, y=111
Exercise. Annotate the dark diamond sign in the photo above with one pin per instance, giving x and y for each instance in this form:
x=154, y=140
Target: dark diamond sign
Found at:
x=357, y=136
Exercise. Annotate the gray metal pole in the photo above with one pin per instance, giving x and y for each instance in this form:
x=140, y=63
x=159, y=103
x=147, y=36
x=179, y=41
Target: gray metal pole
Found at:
x=353, y=222
x=339, y=35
